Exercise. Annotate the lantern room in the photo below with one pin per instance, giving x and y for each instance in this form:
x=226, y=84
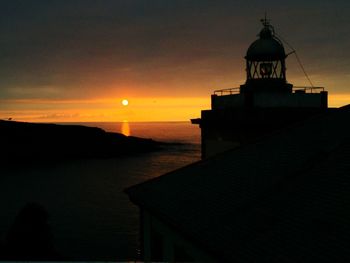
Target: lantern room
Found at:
x=265, y=63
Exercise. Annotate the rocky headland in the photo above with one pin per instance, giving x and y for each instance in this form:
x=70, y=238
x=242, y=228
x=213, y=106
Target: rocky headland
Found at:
x=39, y=141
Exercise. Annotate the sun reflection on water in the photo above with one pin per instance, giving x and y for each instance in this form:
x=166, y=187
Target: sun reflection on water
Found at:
x=125, y=129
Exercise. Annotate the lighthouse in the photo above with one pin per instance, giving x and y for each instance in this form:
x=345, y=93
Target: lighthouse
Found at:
x=286, y=177
x=265, y=103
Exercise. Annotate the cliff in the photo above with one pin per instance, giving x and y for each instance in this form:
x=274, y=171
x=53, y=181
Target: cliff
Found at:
x=36, y=141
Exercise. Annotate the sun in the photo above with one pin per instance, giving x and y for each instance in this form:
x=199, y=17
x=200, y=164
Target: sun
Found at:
x=125, y=102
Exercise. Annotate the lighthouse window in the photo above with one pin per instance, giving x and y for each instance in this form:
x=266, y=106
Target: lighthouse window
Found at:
x=265, y=69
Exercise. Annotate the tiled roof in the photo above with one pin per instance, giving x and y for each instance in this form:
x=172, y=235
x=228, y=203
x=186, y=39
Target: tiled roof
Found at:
x=285, y=198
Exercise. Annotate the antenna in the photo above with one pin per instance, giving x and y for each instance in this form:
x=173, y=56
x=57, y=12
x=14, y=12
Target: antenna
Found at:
x=267, y=25
x=265, y=21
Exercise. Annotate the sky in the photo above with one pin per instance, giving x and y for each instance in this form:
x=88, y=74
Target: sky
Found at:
x=76, y=60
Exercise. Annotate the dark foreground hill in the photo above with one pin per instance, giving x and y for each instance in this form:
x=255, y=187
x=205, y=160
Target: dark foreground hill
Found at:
x=36, y=141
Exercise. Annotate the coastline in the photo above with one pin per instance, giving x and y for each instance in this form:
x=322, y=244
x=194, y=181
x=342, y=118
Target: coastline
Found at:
x=44, y=141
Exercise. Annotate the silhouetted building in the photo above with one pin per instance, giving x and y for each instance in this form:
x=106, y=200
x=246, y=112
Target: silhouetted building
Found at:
x=283, y=198
x=280, y=197
x=264, y=103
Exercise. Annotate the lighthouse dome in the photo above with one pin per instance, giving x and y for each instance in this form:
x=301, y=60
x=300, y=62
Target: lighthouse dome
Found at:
x=266, y=48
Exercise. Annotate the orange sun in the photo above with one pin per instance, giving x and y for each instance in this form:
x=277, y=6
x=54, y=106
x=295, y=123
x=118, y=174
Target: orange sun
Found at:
x=125, y=102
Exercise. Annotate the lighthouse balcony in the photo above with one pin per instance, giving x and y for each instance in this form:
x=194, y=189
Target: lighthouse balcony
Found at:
x=299, y=97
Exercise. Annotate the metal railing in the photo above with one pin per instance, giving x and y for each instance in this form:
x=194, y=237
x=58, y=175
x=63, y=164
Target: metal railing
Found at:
x=308, y=89
x=230, y=91
x=233, y=91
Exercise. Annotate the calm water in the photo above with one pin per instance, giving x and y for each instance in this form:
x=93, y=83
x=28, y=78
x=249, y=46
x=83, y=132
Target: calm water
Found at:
x=90, y=215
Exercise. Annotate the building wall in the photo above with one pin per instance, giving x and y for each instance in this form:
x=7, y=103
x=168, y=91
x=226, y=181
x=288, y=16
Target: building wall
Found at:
x=224, y=129
x=161, y=243
x=268, y=99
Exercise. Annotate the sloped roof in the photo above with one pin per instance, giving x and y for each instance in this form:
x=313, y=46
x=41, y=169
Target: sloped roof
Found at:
x=285, y=198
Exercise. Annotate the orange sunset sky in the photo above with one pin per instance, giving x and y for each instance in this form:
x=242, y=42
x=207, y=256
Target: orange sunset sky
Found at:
x=75, y=61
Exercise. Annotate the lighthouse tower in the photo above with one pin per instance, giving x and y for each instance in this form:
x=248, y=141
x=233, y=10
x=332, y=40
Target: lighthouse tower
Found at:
x=264, y=103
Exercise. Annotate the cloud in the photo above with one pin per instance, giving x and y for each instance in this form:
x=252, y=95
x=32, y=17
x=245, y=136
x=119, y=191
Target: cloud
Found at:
x=81, y=49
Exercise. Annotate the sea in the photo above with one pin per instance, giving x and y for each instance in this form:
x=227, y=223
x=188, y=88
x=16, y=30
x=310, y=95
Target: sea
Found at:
x=91, y=217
